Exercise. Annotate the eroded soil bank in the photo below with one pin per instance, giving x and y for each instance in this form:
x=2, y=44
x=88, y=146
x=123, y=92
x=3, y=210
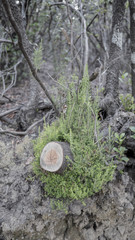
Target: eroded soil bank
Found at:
x=25, y=213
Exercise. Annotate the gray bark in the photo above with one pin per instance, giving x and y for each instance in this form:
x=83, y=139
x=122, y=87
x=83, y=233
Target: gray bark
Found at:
x=132, y=39
x=111, y=103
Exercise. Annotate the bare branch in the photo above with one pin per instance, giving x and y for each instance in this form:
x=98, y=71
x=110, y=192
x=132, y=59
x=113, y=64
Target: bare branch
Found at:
x=91, y=22
x=5, y=41
x=71, y=35
x=13, y=76
x=80, y=15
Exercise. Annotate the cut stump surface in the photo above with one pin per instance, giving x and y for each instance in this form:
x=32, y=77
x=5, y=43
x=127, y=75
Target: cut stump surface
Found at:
x=53, y=156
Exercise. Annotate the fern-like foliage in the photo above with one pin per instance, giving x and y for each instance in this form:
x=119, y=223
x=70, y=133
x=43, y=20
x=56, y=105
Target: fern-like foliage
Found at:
x=37, y=56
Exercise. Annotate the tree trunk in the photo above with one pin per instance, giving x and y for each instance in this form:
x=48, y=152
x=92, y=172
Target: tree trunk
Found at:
x=54, y=157
x=110, y=102
x=132, y=39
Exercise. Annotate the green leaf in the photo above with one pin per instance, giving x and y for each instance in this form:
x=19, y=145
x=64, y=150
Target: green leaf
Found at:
x=126, y=159
x=122, y=135
x=116, y=135
x=132, y=129
x=116, y=149
x=122, y=149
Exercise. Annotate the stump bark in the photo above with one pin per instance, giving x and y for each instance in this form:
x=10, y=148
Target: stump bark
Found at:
x=53, y=157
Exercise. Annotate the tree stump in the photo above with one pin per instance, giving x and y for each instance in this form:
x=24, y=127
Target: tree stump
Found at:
x=53, y=157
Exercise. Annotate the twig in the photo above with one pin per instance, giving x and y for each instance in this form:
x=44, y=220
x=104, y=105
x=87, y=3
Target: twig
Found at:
x=14, y=76
x=9, y=111
x=74, y=49
x=61, y=85
x=11, y=68
x=4, y=96
x=91, y=22
x=78, y=38
x=80, y=15
x=100, y=42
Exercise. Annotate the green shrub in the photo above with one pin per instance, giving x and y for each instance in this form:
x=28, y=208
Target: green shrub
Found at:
x=128, y=102
x=93, y=162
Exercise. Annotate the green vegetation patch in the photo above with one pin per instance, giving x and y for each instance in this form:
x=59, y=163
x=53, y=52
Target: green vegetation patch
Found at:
x=93, y=166
x=128, y=102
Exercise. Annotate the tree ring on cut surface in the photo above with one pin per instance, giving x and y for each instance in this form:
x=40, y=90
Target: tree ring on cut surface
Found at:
x=53, y=157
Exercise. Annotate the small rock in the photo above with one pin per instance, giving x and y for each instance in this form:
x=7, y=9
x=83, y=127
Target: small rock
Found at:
x=121, y=230
x=76, y=208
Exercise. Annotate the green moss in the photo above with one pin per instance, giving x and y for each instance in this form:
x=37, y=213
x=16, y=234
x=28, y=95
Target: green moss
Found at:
x=80, y=127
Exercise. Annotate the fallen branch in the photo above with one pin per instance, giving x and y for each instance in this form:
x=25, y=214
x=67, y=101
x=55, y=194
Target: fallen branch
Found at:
x=9, y=111
x=21, y=133
x=27, y=131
